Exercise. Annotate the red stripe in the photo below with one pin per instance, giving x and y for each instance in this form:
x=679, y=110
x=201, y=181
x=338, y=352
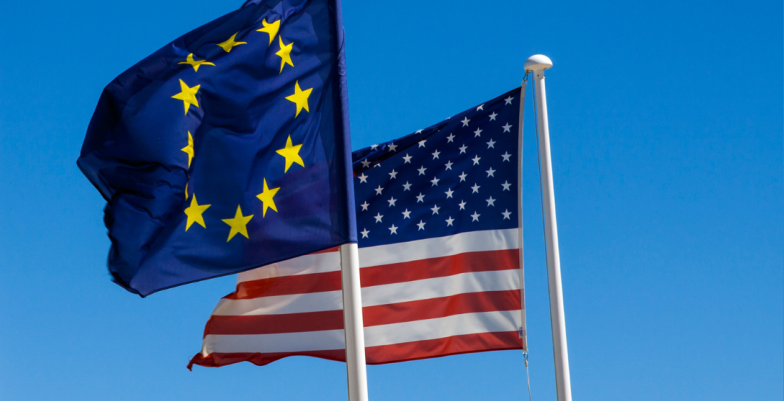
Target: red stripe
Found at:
x=287, y=285
x=440, y=267
x=489, y=301
x=271, y=324
x=217, y=359
x=333, y=249
x=379, y=275
x=464, y=344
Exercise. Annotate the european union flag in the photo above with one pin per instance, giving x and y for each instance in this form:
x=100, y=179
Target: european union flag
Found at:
x=227, y=149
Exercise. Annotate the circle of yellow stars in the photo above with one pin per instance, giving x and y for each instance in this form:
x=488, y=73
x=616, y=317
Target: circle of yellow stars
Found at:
x=188, y=95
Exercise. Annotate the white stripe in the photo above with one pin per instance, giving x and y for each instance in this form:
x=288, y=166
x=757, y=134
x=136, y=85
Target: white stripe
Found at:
x=282, y=342
x=474, y=241
x=437, y=287
x=429, y=329
x=308, y=264
x=281, y=304
x=420, y=330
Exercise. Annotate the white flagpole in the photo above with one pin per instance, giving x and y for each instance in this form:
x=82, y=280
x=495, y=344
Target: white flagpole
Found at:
x=538, y=63
x=353, y=324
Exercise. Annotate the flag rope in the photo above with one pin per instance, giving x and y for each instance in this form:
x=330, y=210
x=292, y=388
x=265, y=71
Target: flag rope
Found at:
x=527, y=376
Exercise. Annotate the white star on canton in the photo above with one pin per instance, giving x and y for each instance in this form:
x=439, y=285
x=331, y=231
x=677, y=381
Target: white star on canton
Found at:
x=422, y=143
x=475, y=189
x=475, y=216
x=378, y=217
x=362, y=178
x=506, y=214
x=392, y=230
x=490, y=172
x=419, y=131
x=377, y=165
x=463, y=176
x=449, y=221
x=462, y=204
x=393, y=175
x=476, y=160
x=420, y=198
x=435, y=154
x=392, y=147
x=491, y=144
x=407, y=159
x=509, y=100
x=465, y=121
x=406, y=214
x=506, y=127
x=365, y=233
x=450, y=138
x=463, y=149
x=506, y=156
x=365, y=163
x=379, y=190
x=477, y=133
x=434, y=181
x=435, y=209
x=448, y=164
x=364, y=205
x=493, y=116
x=449, y=193
x=407, y=186
x=506, y=185
x=481, y=107
x=422, y=170
x=392, y=201
x=490, y=201
x=421, y=225
x=373, y=147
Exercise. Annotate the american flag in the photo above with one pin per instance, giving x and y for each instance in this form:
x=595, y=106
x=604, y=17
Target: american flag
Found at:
x=440, y=252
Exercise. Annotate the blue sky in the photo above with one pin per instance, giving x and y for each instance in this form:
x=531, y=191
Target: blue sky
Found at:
x=666, y=129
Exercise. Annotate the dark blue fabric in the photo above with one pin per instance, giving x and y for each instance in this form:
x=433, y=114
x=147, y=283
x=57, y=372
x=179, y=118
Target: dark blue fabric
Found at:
x=409, y=188
x=132, y=150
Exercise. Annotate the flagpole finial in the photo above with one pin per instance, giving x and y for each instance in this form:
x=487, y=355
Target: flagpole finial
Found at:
x=538, y=62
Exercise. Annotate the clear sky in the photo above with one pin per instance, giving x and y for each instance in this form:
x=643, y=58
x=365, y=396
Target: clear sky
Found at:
x=666, y=129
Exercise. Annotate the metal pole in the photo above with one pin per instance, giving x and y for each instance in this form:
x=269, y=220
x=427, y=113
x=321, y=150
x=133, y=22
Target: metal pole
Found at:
x=353, y=324
x=538, y=63
x=523, y=333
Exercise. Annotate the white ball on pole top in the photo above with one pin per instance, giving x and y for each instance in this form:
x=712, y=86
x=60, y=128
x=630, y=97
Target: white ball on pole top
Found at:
x=538, y=62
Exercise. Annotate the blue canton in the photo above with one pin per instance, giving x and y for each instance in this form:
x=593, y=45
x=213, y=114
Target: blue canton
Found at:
x=456, y=176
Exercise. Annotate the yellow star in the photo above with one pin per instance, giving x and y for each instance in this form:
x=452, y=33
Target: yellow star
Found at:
x=300, y=98
x=271, y=29
x=266, y=198
x=291, y=153
x=194, y=213
x=227, y=45
x=195, y=63
x=285, y=54
x=189, y=149
x=188, y=95
x=238, y=224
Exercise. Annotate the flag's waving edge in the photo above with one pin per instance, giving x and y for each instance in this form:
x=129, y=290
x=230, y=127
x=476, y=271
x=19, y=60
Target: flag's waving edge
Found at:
x=440, y=256
x=226, y=149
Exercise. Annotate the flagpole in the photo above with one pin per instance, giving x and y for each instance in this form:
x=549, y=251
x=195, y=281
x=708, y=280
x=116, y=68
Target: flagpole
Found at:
x=538, y=63
x=523, y=334
x=353, y=324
